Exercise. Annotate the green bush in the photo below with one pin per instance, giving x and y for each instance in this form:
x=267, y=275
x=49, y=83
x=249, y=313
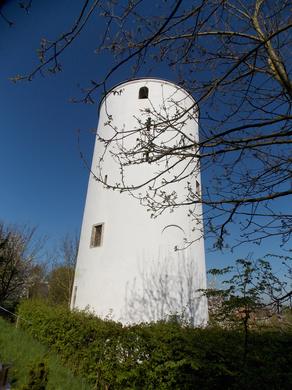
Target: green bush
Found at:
x=38, y=377
x=32, y=366
x=161, y=355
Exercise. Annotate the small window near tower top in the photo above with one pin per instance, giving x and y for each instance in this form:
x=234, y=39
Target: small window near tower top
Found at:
x=143, y=93
x=96, y=235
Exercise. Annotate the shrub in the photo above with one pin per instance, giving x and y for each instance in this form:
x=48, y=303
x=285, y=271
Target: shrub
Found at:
x=32, y=366
x=160, y=355
x=38, y=377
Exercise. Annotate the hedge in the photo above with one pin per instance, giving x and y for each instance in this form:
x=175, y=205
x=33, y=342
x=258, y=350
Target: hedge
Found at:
x=31, y=365
x=160, y=355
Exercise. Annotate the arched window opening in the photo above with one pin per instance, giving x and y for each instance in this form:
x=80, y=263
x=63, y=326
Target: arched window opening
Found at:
x=143, y=93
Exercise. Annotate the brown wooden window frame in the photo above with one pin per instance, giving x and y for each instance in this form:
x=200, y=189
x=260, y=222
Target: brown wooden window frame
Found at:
x=97, y=235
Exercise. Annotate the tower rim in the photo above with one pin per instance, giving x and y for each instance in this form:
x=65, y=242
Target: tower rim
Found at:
x=155, y=79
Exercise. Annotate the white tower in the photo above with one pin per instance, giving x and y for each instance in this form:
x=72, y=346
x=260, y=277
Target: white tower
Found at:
x=128, y=264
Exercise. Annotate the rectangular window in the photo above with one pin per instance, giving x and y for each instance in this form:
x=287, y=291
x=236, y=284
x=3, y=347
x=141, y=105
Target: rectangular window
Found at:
x=197, y=188
x=96, y=235
x=74, y=297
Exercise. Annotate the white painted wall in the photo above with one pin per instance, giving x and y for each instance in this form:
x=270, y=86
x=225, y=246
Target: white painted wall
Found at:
x=133, y=243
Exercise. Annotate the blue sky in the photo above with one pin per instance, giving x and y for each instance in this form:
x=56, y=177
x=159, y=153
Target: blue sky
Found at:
x=43, y=179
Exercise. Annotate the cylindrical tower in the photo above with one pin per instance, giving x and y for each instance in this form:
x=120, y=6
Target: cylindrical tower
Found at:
x=131, y=264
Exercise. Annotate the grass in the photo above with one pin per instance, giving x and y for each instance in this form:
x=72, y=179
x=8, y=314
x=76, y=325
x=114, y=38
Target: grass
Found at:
x=24, y=353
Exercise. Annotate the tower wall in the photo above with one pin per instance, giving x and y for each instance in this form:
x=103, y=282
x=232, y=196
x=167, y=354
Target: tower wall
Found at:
x=136, y=274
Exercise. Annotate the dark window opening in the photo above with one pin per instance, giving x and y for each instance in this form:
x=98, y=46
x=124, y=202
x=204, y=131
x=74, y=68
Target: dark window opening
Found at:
x=197, y=188
x=143, y=93
x=96, y=235
x=74, y=296
x=148, y=124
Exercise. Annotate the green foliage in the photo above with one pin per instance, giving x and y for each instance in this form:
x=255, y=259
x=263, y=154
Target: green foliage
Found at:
x=32, y=365
x=161, y=355
x=61, y=277
x=60, y=282
x=249, y=287
x=18, y=251
x=38, y=377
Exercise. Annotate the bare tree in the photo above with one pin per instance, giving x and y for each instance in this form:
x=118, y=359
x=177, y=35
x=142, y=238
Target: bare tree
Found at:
x=234, y=57
x=19, y=251
x=61, y=277
x=25, y=5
